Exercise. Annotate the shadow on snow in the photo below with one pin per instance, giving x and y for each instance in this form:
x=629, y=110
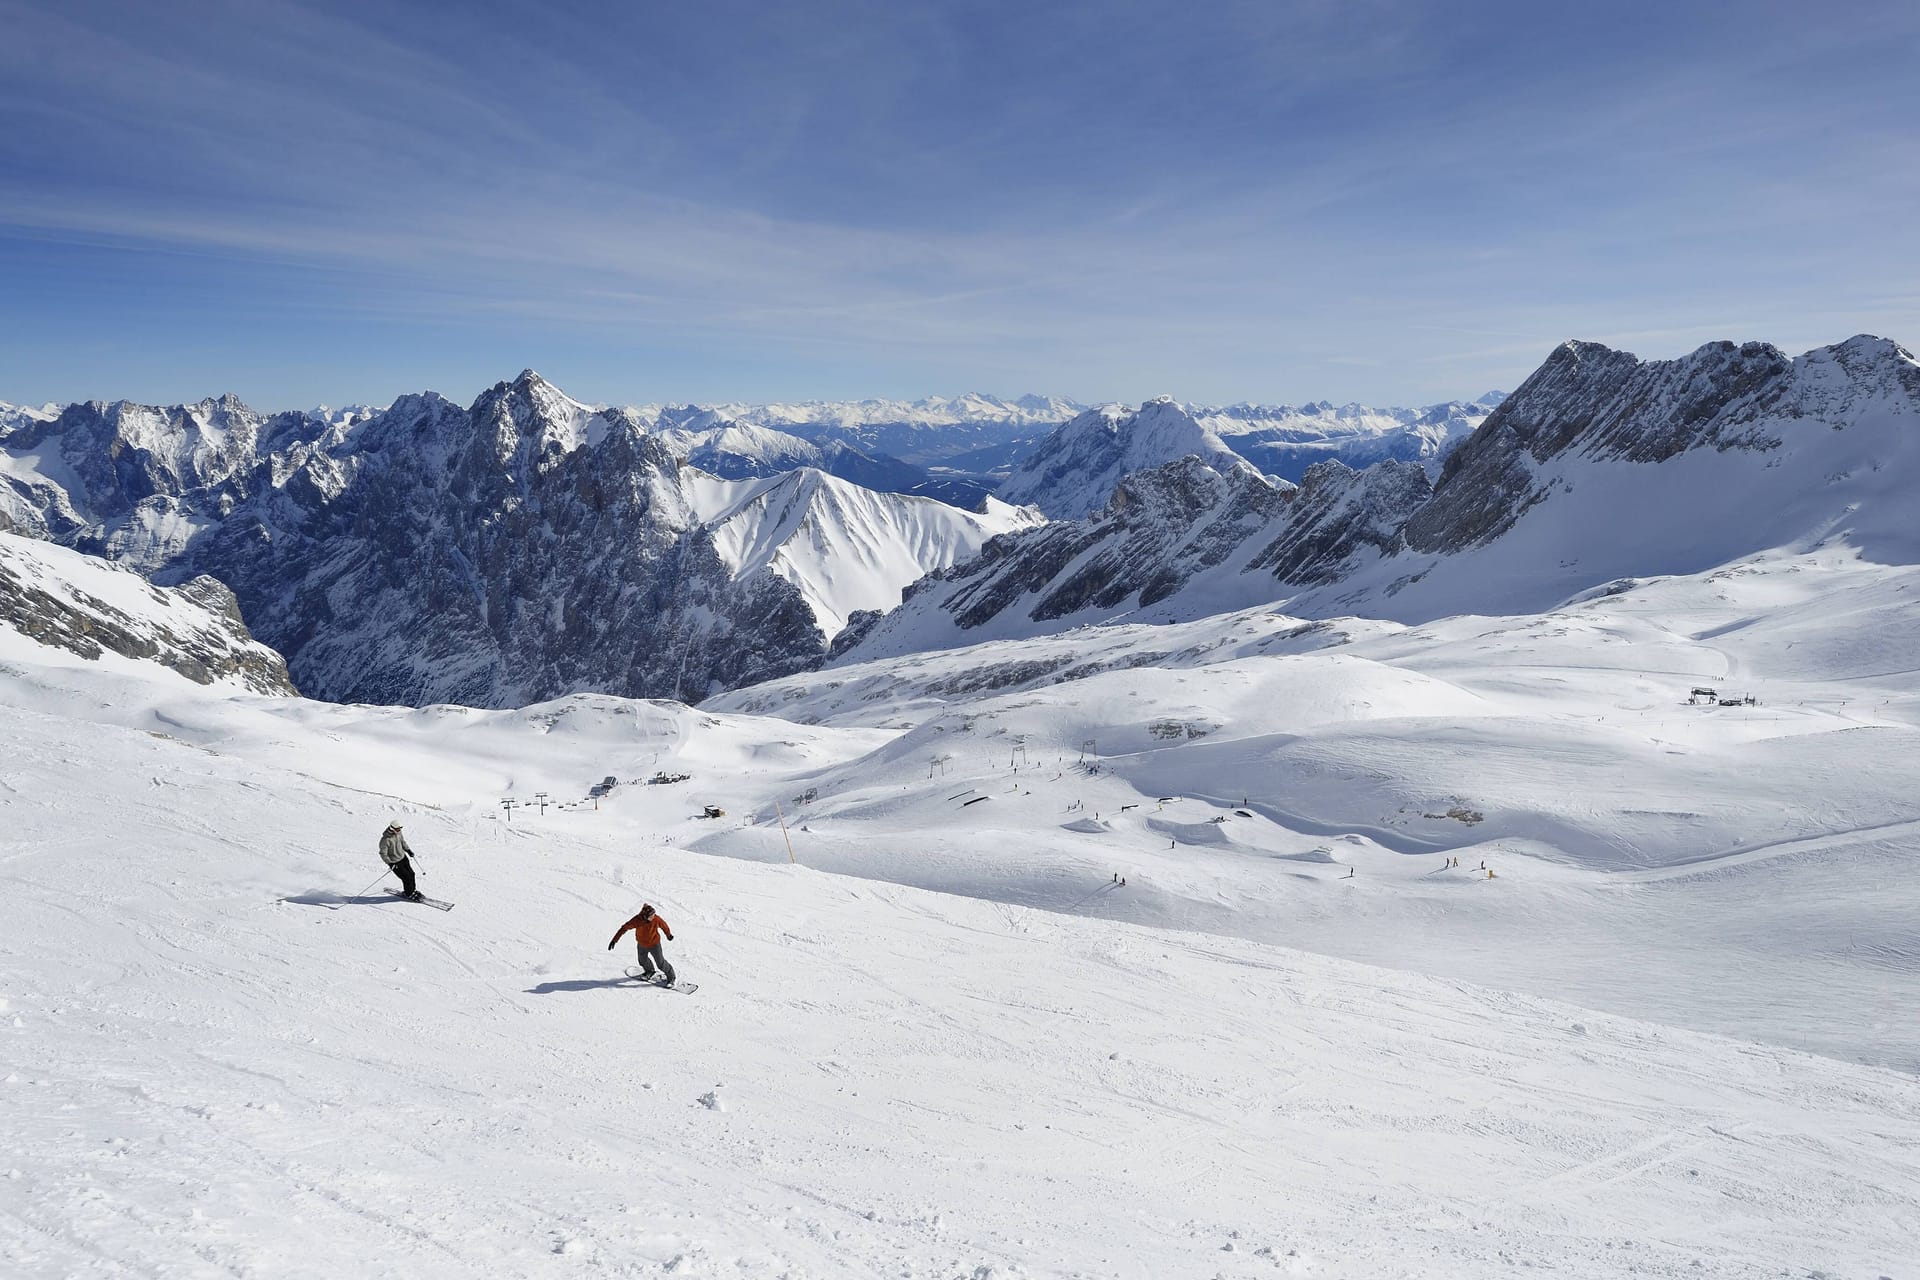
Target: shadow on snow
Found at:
x=578, y=984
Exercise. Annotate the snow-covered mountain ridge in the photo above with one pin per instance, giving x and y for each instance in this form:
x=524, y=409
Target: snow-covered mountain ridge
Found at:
x=386, y=553
x=60, y=605
x=1284, y=441
x=737, y=451
x=1600, y=466
x=1074, y=470
x=525, y=546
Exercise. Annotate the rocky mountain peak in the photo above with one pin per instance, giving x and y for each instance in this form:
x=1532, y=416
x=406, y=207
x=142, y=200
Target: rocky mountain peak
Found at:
x=1074, y=470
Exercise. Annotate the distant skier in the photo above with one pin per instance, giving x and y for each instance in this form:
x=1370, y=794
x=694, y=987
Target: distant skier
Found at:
x=647, y=928
x=395, y=852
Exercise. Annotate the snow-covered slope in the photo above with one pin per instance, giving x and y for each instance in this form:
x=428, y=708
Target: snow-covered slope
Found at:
x=845, y=547
x=1602, y=465
x=224, y=1057
x=1653, y=857
x=1074, y=470
x=58, y=606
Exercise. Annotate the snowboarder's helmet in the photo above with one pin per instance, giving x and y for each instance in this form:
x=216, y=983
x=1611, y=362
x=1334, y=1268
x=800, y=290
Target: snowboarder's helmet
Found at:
x=646, y=909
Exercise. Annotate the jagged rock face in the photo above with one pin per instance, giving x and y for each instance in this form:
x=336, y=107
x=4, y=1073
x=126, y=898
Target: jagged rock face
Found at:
x=1590, y=401
x=1591, y=420
x=513, y=553
x=64, y=600
x=1165, y=530
x=1337, y=515
x=530, y=566
x=521, y=549
x=1160, y=527
x=129, y=466
x=1073, y=471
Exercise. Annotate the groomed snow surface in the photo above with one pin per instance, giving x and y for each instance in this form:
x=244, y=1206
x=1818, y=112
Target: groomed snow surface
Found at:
x=224, y=1058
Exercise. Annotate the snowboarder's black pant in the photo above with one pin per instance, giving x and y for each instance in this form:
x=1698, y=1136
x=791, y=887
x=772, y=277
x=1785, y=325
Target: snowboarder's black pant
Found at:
x=404, y=869
x=650, y=956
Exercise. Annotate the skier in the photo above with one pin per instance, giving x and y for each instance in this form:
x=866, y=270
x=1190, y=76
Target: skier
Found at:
x=394, y=851
x=647, y=928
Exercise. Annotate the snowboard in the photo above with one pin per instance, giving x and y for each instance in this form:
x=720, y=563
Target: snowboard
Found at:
x=425, y=902
x=633, y=971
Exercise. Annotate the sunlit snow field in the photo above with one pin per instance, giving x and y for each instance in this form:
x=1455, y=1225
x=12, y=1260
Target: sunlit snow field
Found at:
x=224, y=1058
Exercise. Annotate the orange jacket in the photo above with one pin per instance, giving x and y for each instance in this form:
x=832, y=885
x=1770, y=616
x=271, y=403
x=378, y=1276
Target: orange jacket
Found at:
x=645, y=932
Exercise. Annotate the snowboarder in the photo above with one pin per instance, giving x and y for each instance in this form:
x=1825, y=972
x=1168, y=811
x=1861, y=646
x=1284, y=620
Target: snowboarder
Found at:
x=647, y=928
x=395, y=852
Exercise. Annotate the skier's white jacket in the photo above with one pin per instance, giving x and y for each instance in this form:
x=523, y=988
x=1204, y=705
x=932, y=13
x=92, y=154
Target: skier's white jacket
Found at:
x=393, y=847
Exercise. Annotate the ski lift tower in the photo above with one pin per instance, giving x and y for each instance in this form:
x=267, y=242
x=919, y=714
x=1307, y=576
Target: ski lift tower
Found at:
x=509, y=803
x=540, y=798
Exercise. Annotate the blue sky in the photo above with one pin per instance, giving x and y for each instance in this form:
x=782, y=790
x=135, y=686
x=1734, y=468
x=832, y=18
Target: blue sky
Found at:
x=1373, y=200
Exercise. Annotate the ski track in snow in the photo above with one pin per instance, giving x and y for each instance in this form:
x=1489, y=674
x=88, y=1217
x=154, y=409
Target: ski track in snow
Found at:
x=224, y=1059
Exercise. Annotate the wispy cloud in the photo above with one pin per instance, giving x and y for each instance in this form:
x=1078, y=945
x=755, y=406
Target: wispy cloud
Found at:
x=1390, y=200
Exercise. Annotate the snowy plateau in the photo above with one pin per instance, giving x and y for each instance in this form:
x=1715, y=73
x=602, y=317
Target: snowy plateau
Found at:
x=1382, y=899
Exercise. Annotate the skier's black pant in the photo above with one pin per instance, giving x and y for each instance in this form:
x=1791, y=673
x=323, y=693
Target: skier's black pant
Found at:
x=404, y=869
x=649, y=957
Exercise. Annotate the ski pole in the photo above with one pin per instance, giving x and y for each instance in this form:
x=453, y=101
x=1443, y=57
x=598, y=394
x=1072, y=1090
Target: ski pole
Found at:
x=376, y=880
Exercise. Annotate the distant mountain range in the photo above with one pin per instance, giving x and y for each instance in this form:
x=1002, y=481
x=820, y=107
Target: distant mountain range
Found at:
x=1600, y=467
x=525, y=546
x=529, y=545
x=958, y=449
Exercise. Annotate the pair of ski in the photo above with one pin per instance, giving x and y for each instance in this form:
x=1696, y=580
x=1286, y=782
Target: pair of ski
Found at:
x=423, y=900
